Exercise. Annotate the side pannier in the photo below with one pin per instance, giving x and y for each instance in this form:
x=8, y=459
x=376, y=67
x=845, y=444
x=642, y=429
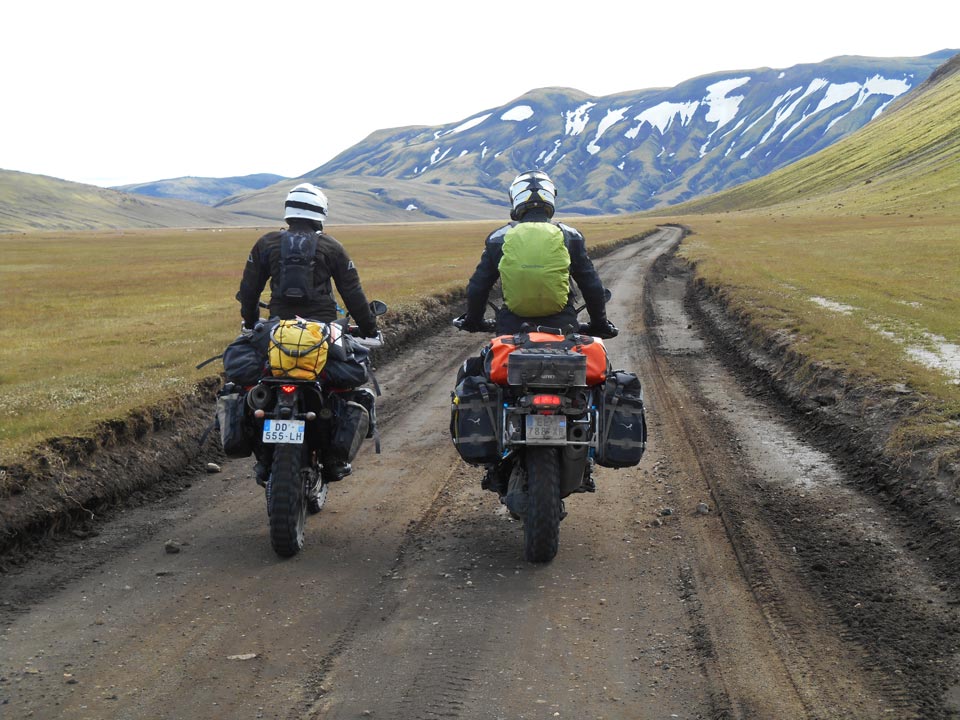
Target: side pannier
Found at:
x=245, y=359
x=350, y=424
x=623, y=422
x=236, y=433
x=475, y=420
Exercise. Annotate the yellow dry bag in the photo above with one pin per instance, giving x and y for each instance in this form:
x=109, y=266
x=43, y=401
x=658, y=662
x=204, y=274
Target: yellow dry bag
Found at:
x=298, y=349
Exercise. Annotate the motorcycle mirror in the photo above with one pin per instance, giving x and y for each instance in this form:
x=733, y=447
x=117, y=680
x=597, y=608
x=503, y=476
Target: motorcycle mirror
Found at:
x=377, y=307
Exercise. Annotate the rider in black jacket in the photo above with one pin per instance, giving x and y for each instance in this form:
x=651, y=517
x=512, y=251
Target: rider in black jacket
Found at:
x=300, y=263
x=533, y=199
x=305, y=211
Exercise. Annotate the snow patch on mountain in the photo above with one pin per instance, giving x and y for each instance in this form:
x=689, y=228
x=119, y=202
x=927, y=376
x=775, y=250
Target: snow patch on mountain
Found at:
x=613, y=117
x=468, y=125
x=518, y=113
x=723, y=109
x=661, y=116
x=577, y=119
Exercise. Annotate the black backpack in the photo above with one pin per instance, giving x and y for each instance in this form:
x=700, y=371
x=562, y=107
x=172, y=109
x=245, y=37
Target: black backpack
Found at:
x=298, y=256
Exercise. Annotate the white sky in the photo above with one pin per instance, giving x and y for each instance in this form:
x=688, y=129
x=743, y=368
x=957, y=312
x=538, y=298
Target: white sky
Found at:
x=109, y=92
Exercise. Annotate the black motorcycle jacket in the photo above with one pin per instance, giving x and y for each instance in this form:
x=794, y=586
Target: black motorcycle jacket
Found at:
x=581, y=270
x=332, y=263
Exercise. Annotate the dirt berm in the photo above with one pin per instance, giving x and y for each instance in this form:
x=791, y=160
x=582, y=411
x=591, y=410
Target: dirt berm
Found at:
x=68, y=483
x=849, y=418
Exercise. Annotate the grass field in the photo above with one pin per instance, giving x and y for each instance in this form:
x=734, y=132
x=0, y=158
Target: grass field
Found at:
x=878, y=297
x=93, y=325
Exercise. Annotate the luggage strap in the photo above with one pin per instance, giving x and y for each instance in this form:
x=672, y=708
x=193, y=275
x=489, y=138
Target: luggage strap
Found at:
x=209, y=360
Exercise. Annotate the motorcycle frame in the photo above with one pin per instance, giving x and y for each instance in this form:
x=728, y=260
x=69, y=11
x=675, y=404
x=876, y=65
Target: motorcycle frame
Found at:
x=592, y=419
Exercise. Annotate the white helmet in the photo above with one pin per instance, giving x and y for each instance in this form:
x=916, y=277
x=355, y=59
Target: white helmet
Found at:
x=306, y=201
x=530, y=190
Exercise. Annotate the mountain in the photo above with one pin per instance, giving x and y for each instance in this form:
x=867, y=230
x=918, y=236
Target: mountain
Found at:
x=628, y=152
x=206, y=191
x=38, y=202
x=619, y=153
x=906, y=161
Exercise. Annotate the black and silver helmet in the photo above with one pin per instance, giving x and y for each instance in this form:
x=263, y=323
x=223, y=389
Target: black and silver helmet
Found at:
x=533, y=189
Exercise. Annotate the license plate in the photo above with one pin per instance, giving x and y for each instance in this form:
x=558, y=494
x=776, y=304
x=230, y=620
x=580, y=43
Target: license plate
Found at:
x=546, y=429
x=283, y=431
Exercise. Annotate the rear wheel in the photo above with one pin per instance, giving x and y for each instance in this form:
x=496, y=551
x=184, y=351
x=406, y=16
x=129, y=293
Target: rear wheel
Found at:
x=541, y=521
x=288, y=506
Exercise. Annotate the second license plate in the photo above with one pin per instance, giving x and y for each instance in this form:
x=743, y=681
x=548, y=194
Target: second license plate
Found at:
x=283, y=431
x=546, y=429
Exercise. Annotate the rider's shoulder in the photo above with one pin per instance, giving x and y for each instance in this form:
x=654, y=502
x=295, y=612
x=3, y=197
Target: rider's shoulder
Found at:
x=496, y=237
x=570, y=230
x=271, y=236
x=325, y=240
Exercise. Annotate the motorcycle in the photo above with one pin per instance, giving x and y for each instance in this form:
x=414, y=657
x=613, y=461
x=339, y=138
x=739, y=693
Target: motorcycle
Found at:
x=543, y=410
x=298, y=422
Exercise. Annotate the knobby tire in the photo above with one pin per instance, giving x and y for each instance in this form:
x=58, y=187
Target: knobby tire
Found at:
x=541, y=524
x=288, y=512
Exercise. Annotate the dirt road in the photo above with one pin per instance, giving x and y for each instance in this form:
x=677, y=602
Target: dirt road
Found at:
x=738, y=572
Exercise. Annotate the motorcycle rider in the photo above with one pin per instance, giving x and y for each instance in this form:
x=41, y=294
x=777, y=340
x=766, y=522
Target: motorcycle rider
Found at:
x=300, y=263
x=533, y=200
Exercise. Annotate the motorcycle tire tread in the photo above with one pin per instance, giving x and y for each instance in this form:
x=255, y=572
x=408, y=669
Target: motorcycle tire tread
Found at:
x=541, y=524
x=288, y=501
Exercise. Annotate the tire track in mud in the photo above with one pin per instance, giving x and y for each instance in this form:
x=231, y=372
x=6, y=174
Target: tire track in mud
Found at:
x=783, y=541
x=372, y=611
x=441, y=682
x=880, y=582
x=793, y=688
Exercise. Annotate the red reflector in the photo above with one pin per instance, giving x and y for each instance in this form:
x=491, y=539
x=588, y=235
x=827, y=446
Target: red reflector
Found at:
x=546, y=401
x=288, y=388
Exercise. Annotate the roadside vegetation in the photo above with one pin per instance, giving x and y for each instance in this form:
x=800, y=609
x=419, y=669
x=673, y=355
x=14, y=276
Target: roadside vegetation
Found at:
x=94, y=325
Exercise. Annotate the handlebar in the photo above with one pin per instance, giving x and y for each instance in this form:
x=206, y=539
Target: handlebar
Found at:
x=368, y=342
x=488, y=325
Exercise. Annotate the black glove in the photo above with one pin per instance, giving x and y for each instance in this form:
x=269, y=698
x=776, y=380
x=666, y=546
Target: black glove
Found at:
x=369, y=331
x=470, y=324
x=603, y=329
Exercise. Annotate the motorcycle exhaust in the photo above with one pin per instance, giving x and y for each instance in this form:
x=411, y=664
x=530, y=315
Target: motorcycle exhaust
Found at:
x=259, y=397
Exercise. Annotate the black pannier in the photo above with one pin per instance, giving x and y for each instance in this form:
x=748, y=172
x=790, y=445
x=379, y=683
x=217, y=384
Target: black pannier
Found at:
x=350, y=424
x=236, y=434
x=475, y=420
x=244, y=359
x=623, y=423
x=365, y=397
x=542, y=367
x=347, y=364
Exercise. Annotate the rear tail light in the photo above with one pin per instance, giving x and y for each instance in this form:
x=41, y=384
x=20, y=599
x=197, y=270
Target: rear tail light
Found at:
x=546, y=404
x=287, y=389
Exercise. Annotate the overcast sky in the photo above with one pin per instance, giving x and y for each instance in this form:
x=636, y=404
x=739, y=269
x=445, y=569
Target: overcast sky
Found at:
x=107, y=92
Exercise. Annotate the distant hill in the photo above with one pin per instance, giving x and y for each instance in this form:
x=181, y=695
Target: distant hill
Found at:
x=206, y=191
x=38, y=202
x=363, y=199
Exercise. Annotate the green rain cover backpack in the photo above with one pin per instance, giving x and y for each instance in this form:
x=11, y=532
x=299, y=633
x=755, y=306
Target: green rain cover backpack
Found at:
x=535, y=269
